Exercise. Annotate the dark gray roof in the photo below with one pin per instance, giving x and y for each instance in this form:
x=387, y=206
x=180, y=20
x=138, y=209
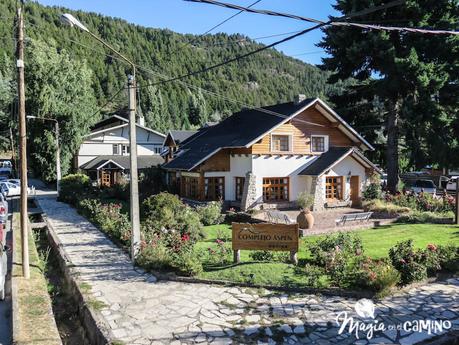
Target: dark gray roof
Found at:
x=328, y=159
x=325, y=161
x=181, y=136
x=238, y=130
x=123, y=161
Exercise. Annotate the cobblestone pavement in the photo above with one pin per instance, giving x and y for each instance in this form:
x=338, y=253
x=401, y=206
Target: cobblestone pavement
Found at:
x=138, y=309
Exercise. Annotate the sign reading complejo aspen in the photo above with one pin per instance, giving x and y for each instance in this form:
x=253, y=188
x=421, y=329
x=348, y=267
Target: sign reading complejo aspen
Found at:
x=279, y=237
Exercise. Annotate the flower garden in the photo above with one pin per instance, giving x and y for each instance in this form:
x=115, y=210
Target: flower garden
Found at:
x=197, y=242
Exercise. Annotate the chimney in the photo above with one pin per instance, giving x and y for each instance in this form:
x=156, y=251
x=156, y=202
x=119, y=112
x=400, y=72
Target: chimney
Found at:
x=141, y=120
x=299, y=98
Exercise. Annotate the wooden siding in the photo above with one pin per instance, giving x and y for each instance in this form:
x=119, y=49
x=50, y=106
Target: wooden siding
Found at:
x=301, y=133
x=218, y=162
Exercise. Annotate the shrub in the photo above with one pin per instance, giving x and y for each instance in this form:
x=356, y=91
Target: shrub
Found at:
x=382, y=277
x=166, y=214
x=373, y=190
x=449, y=258
x=220, y=253
x=425, y=217
x=154, y=255
x=72, y=187
x=108, y=217
x=187, y=262
x=305, y=200
x=408, y=261
x=322, y=249
x=211, y=213
x=381, y=206
x=313, y=275
x=423, y=202
x=262, y=255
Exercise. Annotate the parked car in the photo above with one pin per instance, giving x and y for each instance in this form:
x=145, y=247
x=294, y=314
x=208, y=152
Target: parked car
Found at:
x=451, y=185
x=11, y=189
x=424, y=186
x=3, y=269
x=15, y=181
x=3, y=210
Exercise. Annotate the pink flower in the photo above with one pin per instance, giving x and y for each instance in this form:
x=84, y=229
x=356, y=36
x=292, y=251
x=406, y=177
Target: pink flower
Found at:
x=185, y=237
x=402, y=261
x=431, y=247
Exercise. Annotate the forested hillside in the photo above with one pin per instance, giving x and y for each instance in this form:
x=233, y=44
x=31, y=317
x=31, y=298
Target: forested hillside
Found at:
x=264, y=78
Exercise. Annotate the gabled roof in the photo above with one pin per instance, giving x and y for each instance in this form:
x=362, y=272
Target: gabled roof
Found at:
x=116, y=121
x=143, y=162
x=245, y=128
x=333, y=156
x=179, y=136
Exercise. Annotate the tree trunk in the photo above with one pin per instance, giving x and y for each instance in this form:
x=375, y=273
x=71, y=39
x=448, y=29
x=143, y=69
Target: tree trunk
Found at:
x=392, y=146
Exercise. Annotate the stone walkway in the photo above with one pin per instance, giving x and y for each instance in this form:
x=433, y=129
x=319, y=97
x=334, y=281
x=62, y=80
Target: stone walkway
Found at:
x=138, y=309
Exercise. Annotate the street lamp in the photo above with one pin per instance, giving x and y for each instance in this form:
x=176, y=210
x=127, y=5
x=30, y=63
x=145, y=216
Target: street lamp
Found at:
x=70, y=20
x=58, y=149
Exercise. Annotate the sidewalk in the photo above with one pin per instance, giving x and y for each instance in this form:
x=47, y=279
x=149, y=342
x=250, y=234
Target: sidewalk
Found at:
x=138, y=309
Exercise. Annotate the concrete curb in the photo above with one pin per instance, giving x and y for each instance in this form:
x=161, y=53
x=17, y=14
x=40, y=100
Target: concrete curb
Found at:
x=93, y=324
x=14, y=293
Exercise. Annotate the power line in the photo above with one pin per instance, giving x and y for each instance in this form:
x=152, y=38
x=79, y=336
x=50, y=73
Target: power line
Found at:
x=212, y=93
x=240, y=57
x=333, y=22
x=214, y=27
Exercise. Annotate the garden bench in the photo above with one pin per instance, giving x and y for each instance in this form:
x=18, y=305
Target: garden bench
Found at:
x=278, y=217
x=353, y=217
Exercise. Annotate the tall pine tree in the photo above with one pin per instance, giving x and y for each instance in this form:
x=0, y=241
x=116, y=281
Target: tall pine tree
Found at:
x=396, y=69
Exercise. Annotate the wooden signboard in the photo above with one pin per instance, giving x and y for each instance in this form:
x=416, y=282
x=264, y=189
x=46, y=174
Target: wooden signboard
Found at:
x=265, y=236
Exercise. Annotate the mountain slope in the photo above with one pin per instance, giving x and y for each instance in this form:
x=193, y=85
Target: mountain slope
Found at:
x=265, y=78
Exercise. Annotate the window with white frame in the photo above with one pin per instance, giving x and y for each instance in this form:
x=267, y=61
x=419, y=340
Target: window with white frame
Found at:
x=116, y=150
x=281, y=143
x=125, y=149
x=319, y=143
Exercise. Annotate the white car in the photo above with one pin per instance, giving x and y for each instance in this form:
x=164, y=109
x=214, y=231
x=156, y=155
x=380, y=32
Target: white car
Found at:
x=424, y=186
x=11, y=189
x=451, y=185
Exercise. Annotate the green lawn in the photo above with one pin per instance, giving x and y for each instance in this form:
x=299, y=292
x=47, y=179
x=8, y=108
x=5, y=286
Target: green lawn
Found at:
x=376, y=244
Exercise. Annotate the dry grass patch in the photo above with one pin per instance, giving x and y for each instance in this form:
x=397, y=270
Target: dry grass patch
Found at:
x=35, y=320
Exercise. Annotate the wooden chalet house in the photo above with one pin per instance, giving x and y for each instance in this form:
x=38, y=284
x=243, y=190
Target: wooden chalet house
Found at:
x=104, y=153
x=266, y=158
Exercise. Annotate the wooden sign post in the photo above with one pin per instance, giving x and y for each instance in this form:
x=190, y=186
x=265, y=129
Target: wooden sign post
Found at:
x=264, y=236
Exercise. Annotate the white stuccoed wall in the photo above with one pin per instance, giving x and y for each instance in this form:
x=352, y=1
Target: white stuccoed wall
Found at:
x=282, y=166
x=101, y=144
x=343, y=168
x=240, y=165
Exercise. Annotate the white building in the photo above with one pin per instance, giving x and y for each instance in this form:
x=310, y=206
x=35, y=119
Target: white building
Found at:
x=104, y=154
x=267, y=157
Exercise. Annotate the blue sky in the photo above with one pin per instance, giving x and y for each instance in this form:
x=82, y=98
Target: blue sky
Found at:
x=196, y=18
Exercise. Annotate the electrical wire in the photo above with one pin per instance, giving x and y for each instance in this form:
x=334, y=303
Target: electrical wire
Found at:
x=211, y=93
x=213, y=28
x=240, y=57
x=333, y=22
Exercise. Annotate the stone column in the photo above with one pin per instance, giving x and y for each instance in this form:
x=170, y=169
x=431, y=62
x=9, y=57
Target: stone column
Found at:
x=249, y=196
x=318, y=190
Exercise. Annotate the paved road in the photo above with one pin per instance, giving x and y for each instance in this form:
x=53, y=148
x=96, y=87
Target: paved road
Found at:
x=5, y=306
x=136, y=308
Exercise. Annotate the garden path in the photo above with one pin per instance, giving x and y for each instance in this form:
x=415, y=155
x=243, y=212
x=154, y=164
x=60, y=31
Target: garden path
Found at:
x=136, y=308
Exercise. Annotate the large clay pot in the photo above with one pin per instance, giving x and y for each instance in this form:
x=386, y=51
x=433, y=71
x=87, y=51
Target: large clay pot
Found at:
x=305, y=219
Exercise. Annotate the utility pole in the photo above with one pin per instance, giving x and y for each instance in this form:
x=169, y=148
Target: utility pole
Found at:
x=134, y=195
x=22, y=145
